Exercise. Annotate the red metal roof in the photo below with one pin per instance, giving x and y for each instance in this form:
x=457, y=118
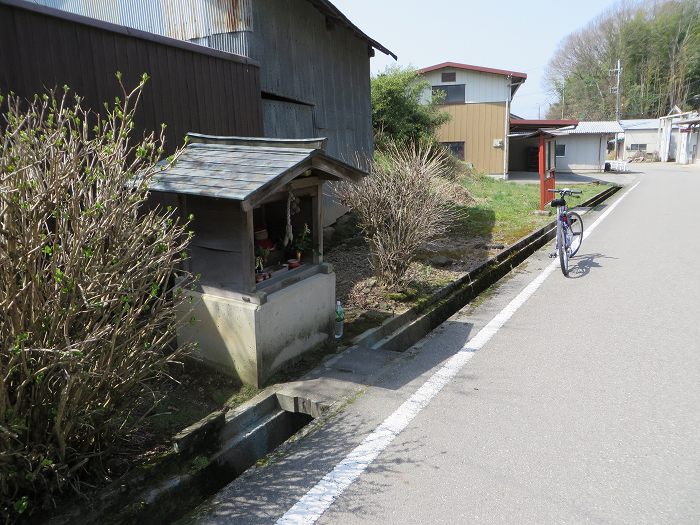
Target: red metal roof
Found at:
x=457, y=65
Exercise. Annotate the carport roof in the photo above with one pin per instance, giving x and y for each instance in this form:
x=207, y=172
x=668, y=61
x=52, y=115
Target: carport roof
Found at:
x=594, y=128
x=518, y=124
x=530, y=134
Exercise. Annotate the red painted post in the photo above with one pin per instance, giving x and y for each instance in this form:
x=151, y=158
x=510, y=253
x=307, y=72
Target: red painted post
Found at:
x=552, y=180
x=543, y=189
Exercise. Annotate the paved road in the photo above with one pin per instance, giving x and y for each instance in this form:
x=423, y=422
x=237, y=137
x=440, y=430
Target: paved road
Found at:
x=528, y=177
x=583, y=408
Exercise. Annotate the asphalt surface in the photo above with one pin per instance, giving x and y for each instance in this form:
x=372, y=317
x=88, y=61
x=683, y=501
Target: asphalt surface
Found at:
x=583, y=408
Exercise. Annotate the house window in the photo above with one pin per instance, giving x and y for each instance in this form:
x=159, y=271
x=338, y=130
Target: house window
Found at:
x=637, y=147
x=455, y=148
x=452, y=94
x=449, y=77
x=561, y=150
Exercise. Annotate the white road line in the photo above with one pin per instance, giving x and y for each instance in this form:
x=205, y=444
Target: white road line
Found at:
x=607, y=212
x=317, y=500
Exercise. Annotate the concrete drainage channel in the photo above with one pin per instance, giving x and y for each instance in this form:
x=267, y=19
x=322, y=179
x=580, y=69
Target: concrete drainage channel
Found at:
x=206, y=457
x=216, y=450
x=402, y=331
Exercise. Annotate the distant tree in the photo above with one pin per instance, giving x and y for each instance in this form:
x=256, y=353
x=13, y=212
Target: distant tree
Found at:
x=404, y=110
x=658, y=44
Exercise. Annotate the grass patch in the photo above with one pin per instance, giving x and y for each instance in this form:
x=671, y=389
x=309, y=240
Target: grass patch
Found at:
x=169, y=422
x=305, y=362
x=357, y=324
x=200, y=390
x=504, y=210
x=232, y=400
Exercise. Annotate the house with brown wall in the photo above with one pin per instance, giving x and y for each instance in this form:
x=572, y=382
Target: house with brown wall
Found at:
x=478, y=101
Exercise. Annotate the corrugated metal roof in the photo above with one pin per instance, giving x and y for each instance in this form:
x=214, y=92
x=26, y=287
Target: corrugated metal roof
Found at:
x=72, y=13
x=242, y=168
x=640, y=123
x=541, y=123
x=206, y=18
x=190, y=20
x=690, y=120
x=595, y=127
x=172, y=18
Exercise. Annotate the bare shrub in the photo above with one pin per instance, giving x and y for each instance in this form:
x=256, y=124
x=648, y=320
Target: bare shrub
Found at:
x=86, y=290
x=401, y=206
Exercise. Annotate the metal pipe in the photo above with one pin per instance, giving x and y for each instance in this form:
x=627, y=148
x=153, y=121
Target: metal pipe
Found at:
x=506, y=125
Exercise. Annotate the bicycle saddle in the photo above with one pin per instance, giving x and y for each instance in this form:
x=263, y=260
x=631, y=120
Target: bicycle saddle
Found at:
x=558, y=202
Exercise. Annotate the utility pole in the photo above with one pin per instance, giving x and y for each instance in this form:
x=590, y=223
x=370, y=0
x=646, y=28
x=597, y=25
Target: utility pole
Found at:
x=616, y=90
x=618, y=70
x=562, y=101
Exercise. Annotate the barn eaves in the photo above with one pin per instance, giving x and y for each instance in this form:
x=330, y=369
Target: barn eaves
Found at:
x=333, y=14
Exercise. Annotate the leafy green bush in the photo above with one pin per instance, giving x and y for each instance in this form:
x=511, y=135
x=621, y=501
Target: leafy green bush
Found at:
x=86, y=290
x=404, y=110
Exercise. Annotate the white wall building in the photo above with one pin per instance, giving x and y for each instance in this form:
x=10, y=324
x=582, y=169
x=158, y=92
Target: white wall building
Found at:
x=584, y=147
x=689, y=140
x=643, y=137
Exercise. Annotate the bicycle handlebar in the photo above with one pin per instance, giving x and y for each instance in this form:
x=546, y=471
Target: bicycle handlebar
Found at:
x=566, y=191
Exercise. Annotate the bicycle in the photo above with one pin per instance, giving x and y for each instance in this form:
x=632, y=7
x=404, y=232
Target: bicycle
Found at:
x=569, y=229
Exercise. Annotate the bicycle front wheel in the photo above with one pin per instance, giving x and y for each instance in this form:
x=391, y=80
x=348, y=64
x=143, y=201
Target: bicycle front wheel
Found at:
x=563, y=250
x=575, y=231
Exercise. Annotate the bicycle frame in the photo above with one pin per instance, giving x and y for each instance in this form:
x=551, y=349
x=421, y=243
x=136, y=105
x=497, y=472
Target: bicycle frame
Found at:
x=562, y=222
x=565, y=233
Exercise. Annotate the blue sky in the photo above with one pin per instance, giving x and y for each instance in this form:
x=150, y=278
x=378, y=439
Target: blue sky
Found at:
x=515, y=35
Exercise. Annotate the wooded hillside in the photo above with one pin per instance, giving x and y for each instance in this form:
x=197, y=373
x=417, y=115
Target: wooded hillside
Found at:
x=658, y=44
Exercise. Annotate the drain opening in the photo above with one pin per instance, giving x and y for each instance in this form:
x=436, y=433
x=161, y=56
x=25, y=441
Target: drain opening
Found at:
x=224, y=466
x=217, y=459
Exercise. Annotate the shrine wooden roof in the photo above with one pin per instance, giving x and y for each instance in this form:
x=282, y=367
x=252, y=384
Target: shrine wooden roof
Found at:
x=248, y=169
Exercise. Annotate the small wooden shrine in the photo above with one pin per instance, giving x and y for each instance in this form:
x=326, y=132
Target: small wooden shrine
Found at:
x=264, y=295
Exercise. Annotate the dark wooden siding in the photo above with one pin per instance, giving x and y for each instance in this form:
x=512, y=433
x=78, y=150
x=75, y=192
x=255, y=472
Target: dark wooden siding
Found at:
x=191, y=88
x=322, y=66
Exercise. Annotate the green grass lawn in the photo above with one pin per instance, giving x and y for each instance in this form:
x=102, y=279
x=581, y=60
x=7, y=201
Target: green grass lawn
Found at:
x=504, y=210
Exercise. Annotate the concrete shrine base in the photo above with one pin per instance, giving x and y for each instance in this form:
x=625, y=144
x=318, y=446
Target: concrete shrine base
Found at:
x=252, y=337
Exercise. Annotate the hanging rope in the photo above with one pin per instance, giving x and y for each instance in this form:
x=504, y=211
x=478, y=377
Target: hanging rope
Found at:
x=292, y=208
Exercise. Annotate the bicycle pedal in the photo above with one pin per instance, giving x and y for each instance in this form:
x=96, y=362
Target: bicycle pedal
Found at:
x=552, y=255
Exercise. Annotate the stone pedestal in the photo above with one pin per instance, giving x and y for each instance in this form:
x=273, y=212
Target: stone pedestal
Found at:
x=252, y=337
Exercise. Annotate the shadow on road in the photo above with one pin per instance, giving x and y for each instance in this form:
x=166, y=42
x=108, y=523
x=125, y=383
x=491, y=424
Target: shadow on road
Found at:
x=584, y=263
x=264, y=492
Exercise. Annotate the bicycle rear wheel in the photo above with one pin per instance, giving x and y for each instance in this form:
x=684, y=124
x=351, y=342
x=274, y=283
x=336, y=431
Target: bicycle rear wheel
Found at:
x=576, y=231
x=563, y=250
